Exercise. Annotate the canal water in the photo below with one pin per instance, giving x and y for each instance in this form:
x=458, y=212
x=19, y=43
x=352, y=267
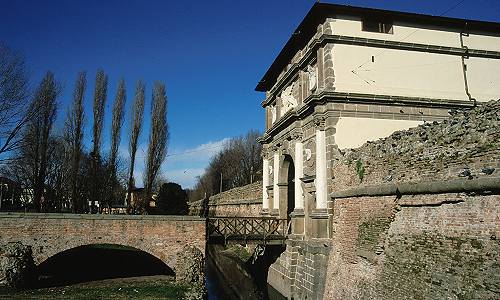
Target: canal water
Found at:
x=104, y=271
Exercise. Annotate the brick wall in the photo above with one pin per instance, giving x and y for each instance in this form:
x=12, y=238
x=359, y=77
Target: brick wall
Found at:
x=245, y=201
x=49, y=234
x=419, y=246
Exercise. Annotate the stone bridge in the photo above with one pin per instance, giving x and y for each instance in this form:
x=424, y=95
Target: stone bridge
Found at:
x=49, y=234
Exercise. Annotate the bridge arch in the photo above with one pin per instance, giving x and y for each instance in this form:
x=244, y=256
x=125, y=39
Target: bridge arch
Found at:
x=164, y=237
x=97, y=262
x=44, y=256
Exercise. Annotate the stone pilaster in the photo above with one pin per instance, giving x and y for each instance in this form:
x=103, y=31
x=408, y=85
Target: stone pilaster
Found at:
x=299, y=172
x=276, y=190
x=321, y=180
x=319, y=216
x=265, y=183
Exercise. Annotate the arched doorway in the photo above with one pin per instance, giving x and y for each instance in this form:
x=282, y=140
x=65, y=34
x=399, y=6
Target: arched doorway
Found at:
x=287, y=179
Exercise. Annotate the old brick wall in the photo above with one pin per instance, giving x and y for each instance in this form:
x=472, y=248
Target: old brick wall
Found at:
x=419, y=246
x=245, y=201
x=49, y=234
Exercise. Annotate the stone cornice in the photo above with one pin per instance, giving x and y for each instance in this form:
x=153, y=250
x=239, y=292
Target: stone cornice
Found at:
x=350, y=40
x=357, y=98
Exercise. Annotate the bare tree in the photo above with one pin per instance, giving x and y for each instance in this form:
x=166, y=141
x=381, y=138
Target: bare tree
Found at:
x=237, y=164
x=73, y=135
x=14, y=102
x=117, y=123
x=135, y=127
x=38, y=132
x=158, y=137
x=100, y=93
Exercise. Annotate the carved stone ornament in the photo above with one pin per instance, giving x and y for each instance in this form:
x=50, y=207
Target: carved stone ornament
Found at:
x=288, y=99
x=273, y=114
x=312, y=72
x=270, y=170
x=319, y=122
x=296, y=135
x=308, y=153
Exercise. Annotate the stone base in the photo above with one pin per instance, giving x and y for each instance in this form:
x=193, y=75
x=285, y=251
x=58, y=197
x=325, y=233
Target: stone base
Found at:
x=264, y=212
x=320, y=224
x=274, y=213
x=298, y=222
x=300, y=271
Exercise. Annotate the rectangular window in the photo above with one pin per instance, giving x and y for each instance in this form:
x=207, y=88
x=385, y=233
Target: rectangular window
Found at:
x=377, y=26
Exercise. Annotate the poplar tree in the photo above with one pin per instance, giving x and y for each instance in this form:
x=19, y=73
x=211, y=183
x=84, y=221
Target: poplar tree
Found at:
x=158, y=138
x=135, y=131
x=74, y=135
x=117, y=123
x=100, y=92
x=36, y=140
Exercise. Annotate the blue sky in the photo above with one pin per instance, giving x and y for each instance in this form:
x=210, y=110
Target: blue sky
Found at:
x=210, y=54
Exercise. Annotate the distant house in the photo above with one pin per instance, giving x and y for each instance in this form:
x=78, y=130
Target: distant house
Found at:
x=137, y=196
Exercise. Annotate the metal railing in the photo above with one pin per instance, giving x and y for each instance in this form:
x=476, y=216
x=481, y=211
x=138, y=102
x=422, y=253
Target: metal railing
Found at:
x=263, y=229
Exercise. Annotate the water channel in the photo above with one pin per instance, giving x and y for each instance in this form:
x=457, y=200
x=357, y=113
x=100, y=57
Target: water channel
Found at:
x=112, y=271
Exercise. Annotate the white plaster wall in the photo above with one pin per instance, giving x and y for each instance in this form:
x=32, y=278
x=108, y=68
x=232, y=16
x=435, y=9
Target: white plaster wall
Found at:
x=482, y=42
x=351, y=26
x=354, y=132
x=398, y=72
x=483, y=76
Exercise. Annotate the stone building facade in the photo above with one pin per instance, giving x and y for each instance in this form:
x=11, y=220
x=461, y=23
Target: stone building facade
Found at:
x=348, y=76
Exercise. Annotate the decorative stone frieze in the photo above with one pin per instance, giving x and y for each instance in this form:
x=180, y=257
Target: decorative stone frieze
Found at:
x=296, y=135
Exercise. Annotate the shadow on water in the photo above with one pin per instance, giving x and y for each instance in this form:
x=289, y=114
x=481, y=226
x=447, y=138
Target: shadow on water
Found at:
x=97, y=262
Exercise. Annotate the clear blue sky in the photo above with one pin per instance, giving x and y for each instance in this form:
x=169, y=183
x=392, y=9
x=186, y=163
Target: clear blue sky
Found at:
x=210, y=54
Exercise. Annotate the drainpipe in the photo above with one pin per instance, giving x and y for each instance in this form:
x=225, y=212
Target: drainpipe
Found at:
x=464, y=66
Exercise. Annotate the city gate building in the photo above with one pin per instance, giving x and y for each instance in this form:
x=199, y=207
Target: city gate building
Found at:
x=350, y=75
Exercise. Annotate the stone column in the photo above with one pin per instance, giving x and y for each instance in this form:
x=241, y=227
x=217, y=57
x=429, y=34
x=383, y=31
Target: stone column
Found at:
x=276, y=191
x=320, y=227
x=299, y=173
x=265, y=183
x=298, y=222
x=321, y=182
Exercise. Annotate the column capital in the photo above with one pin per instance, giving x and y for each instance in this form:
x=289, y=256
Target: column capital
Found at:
x=320, y=122
x=296, y=135
x=274, y=148
x=263, y=153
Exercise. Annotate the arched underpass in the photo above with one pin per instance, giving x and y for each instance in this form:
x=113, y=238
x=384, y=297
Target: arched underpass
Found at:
x=97, y=262
x=173, y=242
